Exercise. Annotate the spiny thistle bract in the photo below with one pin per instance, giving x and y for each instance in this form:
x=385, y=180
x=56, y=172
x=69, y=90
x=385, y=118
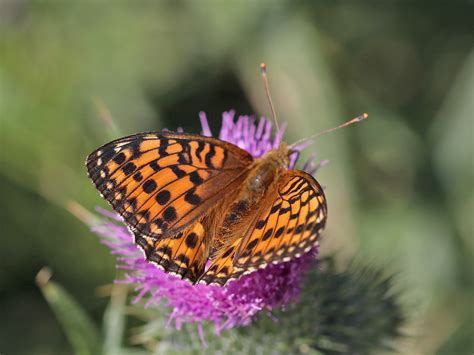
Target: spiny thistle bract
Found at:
x=353, y=311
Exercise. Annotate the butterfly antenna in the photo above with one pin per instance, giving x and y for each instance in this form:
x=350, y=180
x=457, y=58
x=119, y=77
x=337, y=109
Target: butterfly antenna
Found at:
x=263, y=69
x=348, y=123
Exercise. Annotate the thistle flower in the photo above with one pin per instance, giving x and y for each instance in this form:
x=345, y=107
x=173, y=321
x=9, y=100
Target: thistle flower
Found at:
x=237, y=303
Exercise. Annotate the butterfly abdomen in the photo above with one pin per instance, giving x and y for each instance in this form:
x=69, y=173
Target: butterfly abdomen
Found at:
x=239, y=214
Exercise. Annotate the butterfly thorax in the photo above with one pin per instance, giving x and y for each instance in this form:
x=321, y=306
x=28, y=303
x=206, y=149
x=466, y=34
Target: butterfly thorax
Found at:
x=266, y=170
x=262, y=177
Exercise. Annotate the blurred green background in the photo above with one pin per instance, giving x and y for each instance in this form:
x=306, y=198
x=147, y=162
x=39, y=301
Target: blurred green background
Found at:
x=399, y=186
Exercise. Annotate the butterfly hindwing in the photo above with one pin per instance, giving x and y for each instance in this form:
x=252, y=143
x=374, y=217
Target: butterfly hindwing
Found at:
x=160, y=183
x=184, y=255
x=287, y=227
x=291, y=226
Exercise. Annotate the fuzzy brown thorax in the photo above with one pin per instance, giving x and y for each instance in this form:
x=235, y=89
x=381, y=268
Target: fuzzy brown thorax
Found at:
x=266, y=170
x=262, y=177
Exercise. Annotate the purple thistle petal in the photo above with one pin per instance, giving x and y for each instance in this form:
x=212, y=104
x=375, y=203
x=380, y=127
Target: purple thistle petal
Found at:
x=108, y=214
x=233, y=305
x=237, y=303
x=303, y=145
x=315, y=167
x=206, y=131
x=310, y=164
x=279, y=135
x=293, y=158
x=261, y=124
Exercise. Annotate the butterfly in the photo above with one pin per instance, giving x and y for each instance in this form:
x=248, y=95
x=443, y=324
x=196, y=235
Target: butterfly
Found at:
x=205, y=209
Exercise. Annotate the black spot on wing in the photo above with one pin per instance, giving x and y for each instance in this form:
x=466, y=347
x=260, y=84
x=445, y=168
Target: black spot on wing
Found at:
x=149, y=186
x=275, y=208
x=210, y=155
x=129, y=168
x=279, y=232
x=252, y=244
x=162, y=148
x=154, y=165
x=170, y=214
x=163, y=197
x=138, y=176
x=195, y=178
x=228, y=252
x=267, y=234
x=191, y=240
x=199, y=150
x=192, y=198
x=177, y=171
x=119, y=158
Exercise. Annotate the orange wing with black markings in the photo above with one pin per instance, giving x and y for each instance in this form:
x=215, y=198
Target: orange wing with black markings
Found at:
x=184, y=255
x=288, y=226
x=161, y=183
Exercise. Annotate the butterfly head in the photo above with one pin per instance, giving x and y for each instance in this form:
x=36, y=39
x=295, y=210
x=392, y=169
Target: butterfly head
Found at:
x=279, y=158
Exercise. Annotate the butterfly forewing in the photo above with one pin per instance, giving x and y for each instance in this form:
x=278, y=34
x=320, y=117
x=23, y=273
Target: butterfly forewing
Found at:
x=161, y=183
x=287, y=226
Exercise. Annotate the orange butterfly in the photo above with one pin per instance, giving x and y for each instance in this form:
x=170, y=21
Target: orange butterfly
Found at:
x=190, y=199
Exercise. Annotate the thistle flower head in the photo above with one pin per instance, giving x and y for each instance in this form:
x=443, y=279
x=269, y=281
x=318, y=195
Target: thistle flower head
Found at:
x=239, y=301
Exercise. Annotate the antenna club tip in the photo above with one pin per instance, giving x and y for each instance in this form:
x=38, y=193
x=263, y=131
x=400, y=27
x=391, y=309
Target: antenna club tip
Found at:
x=263, y=67
x=360, y=118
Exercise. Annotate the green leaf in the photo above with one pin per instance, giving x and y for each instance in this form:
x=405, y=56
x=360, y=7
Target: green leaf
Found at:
x=114, y=321
x=79, y=328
